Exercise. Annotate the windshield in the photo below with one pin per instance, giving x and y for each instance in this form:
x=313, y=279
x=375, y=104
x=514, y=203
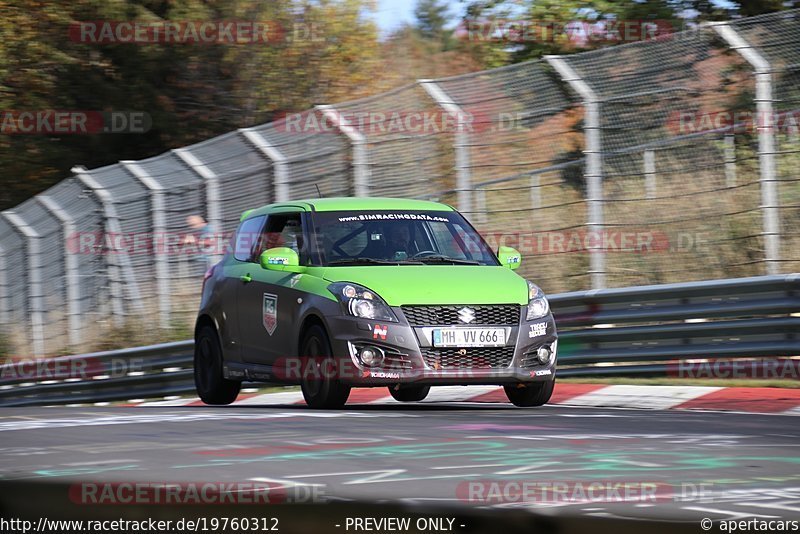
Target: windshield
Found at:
x=399, y=238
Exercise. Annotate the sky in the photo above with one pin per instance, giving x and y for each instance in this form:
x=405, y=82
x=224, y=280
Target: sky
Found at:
x=394, y=13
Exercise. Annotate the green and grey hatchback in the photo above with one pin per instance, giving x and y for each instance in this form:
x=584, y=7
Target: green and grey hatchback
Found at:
x=338, y=293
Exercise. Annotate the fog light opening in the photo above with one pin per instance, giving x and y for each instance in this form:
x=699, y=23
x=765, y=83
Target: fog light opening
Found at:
x=370, y=356
x=543, y=355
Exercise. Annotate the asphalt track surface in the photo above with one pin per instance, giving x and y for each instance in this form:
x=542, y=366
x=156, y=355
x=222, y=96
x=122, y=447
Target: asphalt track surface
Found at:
x=705, y=464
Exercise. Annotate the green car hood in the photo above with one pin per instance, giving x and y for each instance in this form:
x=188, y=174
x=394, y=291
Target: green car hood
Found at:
x=436, y=284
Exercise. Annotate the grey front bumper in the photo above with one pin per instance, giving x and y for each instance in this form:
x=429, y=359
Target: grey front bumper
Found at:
x=409, y=350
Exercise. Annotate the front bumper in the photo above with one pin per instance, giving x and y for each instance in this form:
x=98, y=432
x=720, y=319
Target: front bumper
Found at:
x=412, y=358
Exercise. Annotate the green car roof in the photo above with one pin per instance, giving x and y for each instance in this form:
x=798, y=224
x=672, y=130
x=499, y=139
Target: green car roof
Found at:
x=354, y=204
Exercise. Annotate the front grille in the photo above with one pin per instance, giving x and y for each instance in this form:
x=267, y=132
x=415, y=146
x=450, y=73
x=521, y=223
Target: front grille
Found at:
x=503, y=314
x=474, y=358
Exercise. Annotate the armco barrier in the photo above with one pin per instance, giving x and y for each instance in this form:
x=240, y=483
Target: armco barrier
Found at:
x=636, y=331
x=756, y=317
x=140, y=372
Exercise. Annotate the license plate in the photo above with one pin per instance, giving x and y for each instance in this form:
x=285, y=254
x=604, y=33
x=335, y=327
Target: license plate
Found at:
x=469, y=337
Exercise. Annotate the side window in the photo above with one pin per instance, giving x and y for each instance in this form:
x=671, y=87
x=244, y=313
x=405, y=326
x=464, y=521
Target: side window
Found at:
x=247, y=238
x=282, y=230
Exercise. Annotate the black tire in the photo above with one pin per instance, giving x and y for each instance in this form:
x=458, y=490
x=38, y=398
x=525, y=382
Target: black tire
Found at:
x=409, y=393
x=533, y=394
x=211, y=386
x=320, y=385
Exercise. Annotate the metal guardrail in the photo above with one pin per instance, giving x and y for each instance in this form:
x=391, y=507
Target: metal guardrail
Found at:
x=139, y=372
x=635, y=331
x=756, y=317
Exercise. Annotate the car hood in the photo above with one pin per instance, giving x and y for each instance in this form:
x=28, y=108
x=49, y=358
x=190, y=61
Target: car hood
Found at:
x=436, y=284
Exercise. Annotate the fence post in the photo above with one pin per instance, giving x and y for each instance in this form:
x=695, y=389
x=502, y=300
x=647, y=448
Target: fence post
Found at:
x=4, y=311
x=211, y=181
x=34, y=279
x=730, y=160
x=117, y=261
x=280, y=163
x=481, y=209
x=536, y=193
x=461, y=143
x=361, y=172
x=594, y=166
x=650, y=186
x=158, y=242
x=766, y=141
x=71, y=274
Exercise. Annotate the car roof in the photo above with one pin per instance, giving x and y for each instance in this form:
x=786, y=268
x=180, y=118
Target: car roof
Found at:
x=353, y=204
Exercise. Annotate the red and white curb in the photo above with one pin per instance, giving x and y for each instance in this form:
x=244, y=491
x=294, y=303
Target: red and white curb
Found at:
x=753, y=400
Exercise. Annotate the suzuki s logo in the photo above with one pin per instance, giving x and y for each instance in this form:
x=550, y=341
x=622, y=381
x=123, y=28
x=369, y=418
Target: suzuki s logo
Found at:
x=466, y=315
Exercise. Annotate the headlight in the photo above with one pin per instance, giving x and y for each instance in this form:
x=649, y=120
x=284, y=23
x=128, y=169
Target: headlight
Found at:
x=359, y=301
x=537, y=303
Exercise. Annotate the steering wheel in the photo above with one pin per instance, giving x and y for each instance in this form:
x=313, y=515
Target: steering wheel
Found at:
x=425, y=254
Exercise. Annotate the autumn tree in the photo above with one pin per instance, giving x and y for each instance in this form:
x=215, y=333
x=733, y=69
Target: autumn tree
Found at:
x=326, y=50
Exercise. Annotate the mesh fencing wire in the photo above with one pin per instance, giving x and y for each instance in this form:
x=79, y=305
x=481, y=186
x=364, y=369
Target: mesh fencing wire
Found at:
x=51, y=238
x=317, y=154
x=409, y=142
x=93, y=291
x=664, y=162
x=777, y=38
x=525, y=165
x=16, y=311
x=682, y=180
x=184, y=196
x=120, y=246
x=248, y=176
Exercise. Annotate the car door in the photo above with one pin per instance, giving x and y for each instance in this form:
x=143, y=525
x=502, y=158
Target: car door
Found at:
x=267, y=306
x=238, y=271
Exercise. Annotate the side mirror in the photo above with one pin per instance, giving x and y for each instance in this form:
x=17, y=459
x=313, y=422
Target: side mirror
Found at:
x=509, y=257
x=281, y=259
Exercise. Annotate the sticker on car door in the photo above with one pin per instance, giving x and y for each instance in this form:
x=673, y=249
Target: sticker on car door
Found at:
x=270, y=312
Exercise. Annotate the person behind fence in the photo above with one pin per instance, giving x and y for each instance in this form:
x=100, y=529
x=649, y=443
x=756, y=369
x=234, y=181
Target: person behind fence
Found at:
x=200, y=241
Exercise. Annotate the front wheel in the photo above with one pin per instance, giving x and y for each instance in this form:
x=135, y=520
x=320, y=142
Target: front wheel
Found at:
x=320, y=384
x=409, y=393
x=533, y=394
x=212, y=387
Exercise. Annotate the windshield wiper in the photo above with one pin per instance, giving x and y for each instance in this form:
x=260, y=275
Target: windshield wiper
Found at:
x=374, y=261
x=446, y=259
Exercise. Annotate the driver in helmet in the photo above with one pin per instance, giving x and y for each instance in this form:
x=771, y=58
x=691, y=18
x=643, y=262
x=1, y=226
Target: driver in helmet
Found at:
x=398, y=241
